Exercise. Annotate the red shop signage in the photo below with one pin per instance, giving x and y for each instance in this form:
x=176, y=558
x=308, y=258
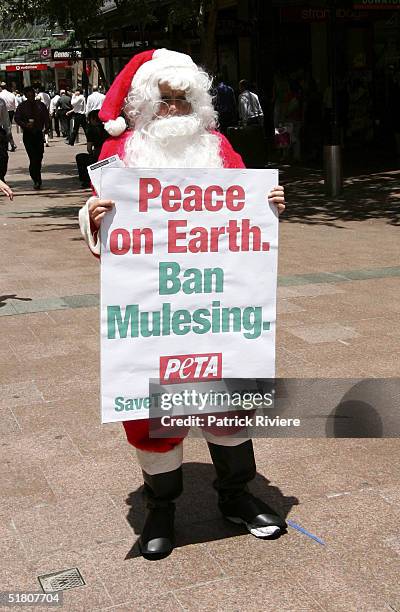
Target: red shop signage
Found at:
x=20, y=67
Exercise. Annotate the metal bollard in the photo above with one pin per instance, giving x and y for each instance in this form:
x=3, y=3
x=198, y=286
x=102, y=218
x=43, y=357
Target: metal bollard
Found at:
x=333, y=170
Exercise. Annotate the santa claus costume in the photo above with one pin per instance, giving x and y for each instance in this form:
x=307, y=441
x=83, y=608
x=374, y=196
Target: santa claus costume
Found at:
x=186, y=140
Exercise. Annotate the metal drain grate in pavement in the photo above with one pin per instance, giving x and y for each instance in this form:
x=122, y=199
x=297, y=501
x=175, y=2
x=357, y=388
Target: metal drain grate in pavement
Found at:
x=61, y=581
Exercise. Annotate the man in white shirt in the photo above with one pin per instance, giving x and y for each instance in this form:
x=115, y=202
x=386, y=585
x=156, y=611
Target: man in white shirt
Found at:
x=94, y=101
x=54, y=115
x=250, y=111
x=78, y=113
x=9, y=99
x=44, y=97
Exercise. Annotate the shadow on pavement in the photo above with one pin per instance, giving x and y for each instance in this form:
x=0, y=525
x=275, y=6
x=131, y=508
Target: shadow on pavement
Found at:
x=365, y=196
x=197, y=516
x=51, y=212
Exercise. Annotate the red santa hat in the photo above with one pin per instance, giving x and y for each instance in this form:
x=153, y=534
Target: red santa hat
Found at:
x=141, y=67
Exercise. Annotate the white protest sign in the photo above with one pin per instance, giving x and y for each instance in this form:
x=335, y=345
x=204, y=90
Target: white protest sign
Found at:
x=188, y=281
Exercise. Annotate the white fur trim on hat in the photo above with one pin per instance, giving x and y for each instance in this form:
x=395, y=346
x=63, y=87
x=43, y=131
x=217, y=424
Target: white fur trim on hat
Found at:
x=115, y=127
x=162, y=58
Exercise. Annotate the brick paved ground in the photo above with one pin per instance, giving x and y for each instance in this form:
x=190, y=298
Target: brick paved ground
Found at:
x=70, y=486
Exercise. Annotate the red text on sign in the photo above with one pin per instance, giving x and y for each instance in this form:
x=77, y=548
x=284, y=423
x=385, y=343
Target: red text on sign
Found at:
x=193, y=198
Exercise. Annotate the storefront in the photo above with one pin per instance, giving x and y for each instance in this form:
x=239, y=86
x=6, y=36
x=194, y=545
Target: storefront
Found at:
x=367, y=56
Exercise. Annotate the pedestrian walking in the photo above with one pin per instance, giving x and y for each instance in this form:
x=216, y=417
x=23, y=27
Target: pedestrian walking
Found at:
x=9, y=99
x=95, y=135
x=53, y=112
x=63, y=106
x=94, y=101
x=5, y=128
x=18, y=99
x=165, y=98
x=250, y=111
x=33, y=117
x=225, y=105
x=78, y=115
x=44, y=97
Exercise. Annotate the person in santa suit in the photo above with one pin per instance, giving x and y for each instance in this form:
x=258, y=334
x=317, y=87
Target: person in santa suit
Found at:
x=166, y=105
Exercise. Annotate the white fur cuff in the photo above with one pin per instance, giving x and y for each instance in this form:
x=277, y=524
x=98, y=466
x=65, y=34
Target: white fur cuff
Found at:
x=84, y=224
x=115, y=127
x=160, y=463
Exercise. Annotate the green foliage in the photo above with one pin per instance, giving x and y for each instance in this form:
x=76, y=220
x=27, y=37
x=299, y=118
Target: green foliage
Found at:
x=191, y=14
x=49, y=42
x=78, y=15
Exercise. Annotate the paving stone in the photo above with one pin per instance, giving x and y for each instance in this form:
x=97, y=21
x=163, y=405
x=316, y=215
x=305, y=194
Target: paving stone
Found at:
x=167, y=603
x=290, y=366
x=71, y=524
x=335, y=585
x=311, y=290
x=11, y=547
x=88, y=476
x=18, y=393
x=268, y=589
x=98, y=440
x=377, y=326
x=130, y=578
x=286, y=306
x=71, y=414
x=315, y=334
x=379, y=566
x=39, y=350
x=313, y=477
x=8, y=422
x=67, y=386
x=37, y=446
x=23, y=485
x=59, y=367
x=349, y=522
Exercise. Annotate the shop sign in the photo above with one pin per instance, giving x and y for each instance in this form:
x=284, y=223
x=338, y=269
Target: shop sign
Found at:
x=309, y=15
x=66, y=54
x=45, y=53
x=377, y=4
x=21, y=67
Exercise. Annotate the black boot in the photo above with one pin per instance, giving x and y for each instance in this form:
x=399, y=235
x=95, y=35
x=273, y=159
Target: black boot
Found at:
x=235, y=467
x=157, y=538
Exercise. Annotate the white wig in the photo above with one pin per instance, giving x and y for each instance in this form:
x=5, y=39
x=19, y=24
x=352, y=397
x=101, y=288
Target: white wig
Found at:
x=144, y=93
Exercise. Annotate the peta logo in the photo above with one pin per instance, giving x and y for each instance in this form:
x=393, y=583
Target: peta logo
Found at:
x=188, y=368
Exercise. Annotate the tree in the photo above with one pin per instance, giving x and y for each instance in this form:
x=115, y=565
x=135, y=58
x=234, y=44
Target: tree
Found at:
x=82, y=16
x=142, y=12
x=200, y=16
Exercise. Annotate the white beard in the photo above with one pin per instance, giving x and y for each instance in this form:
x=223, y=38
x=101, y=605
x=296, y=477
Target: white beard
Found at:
x=173, y=142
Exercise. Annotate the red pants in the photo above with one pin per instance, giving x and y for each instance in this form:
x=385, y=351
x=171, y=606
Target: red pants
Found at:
x=137, y=433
